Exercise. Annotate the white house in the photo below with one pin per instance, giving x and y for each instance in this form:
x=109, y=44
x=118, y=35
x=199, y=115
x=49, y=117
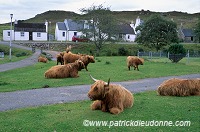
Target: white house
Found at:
x=27, y=31
x=126, y=33
x=7, y=34
x=64, y=31
x=138, y=22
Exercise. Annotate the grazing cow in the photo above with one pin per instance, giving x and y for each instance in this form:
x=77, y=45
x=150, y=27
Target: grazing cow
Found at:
x=64, y=71
x=70, y=57
x=134, y=61
x=60, y=58
x=108, y=97
x=42, y=59
x=179, y=87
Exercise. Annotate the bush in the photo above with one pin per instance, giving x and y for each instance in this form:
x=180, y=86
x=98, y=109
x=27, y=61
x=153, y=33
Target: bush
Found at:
x=177, y=49
x=122, y=51
x=21, y=54
x=176, y=52
x=107, y=62
x=109, y=53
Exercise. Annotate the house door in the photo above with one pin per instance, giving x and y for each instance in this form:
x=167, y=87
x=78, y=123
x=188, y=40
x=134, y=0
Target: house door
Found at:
x=30, y=36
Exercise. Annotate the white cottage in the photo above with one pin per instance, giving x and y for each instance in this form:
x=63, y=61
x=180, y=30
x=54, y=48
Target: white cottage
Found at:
x=64, y=31
x=27, y=31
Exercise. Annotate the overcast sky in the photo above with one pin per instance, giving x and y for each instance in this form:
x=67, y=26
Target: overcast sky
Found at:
x=25, y=9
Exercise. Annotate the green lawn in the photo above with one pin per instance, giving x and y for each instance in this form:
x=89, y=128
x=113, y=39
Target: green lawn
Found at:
x=148, y=106
x=115, y=68
x=17, y=54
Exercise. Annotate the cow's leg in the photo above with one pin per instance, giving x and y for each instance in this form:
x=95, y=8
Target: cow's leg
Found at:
x=96, y=105
x=129, y=68
x=86, y=68
x=115, y=110
x=74, y=74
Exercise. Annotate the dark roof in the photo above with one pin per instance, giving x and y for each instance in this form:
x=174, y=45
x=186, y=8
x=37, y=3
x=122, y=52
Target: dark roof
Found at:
x=126, y=29
x=188, y=32
x=75, y=25
x=61, y=26
x=30, y=27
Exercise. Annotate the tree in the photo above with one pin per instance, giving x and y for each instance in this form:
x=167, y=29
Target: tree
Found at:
x=104, y=25
x=157, y=32
x=197, y=30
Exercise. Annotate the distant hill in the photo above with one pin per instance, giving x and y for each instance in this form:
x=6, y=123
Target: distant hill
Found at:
x=188, y=20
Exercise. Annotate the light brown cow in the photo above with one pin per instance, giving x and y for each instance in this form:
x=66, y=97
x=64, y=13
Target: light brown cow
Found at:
x=64, y=71
x=179, y=87
x=70, y=57
x=109, y=97
x=134, y=61
x=42, y=59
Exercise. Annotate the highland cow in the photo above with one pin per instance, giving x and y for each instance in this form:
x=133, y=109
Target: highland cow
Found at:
x=134, y=61
x=59, y=58
x=42, y=59
x=109, y=97
x=64, y=71
x=70, y=57
x=179, y=87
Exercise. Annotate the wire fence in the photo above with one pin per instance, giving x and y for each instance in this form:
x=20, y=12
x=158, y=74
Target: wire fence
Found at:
x=160, y=55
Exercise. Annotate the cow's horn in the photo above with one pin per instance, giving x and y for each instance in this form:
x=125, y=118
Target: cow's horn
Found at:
x=108, y=82
x=93, y=78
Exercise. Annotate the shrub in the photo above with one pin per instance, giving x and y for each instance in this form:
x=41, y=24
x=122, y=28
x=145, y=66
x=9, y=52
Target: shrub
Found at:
x=177, y=49
x=122, y=51
x=109, y=53
x=176, y=52
x=107, y=62
x=21, y=54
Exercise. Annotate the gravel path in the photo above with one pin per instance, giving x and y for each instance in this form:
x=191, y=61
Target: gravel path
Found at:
x=26, y=62
x=45, y=96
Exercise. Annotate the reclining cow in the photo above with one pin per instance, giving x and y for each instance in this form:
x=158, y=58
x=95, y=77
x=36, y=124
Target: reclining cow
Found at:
x=108, y=97
x=64, y=71
x=179, y=87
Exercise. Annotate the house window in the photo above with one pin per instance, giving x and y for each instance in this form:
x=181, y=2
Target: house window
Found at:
x=38, y=34
x=75, y=33
x=22, y=34
x=9, y=34
x=128, y=36
x=63, y=34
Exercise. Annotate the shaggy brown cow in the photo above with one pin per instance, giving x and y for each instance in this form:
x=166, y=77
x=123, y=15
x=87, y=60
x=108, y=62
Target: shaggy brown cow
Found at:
x=109, y=97
x=179, y=87
x=64, y=71
x=134, y=61
x=42, y=59
x=70, y=57
x=60, y=58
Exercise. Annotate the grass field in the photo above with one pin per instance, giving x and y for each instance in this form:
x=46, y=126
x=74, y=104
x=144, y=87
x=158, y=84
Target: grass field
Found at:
x=115, y=68
x=16, y=54
x=70, y=116
x=148, y=106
